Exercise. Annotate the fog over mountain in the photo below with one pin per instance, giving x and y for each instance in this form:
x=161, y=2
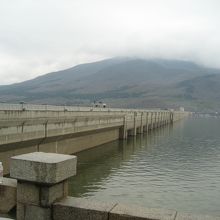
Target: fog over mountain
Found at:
x=41, y=36
x=124, y=82
x=154, y=53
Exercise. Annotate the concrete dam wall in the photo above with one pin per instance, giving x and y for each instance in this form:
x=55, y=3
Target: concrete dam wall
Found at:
x=67, y=130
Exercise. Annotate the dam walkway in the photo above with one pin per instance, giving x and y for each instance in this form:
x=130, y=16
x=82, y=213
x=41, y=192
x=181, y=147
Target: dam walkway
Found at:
x=26, y=128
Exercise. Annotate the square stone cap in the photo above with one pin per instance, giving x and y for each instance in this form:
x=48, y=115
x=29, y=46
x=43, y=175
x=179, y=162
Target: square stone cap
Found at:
x=42, y=157
x=43, y=168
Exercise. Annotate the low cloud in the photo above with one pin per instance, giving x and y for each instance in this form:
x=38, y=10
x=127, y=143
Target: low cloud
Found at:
x=41, y=36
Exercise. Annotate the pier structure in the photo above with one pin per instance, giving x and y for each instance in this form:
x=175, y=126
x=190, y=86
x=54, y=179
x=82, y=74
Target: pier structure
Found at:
x=26, y=128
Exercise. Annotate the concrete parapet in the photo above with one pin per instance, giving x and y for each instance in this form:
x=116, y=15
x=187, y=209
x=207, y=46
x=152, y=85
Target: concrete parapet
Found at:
x=124, y=212
x=8, y=190
x=182, y=216
x=81, y=209
x=86, y=209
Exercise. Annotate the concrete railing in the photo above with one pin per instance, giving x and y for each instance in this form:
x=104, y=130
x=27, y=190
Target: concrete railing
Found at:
x=46, y=107
x=42, y=190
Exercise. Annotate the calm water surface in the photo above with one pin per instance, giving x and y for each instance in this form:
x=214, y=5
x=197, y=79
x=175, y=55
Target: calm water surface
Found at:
x=174, y=167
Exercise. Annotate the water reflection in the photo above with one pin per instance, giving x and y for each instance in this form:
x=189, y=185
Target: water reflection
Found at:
x=172, y=167
x=97, y=164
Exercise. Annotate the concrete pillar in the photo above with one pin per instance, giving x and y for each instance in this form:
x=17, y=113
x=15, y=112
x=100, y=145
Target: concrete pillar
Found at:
x=145, y=125
x=171, y=117
x=148, y=121
x=159, y=120
x=145, y=128
x=168, y=118
x=142, y=122
x=140, y=129
x=151, y=120
x=133, y=131
x=164, y=118
x=123, y=134
x=155, y=120
x=130, y=132
x=42, y=179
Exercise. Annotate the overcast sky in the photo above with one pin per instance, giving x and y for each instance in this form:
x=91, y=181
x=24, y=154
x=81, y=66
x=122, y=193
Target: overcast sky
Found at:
x=40, y=36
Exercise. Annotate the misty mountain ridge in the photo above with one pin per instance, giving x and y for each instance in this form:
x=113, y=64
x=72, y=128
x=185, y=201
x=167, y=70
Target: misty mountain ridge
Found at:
x=124, y=82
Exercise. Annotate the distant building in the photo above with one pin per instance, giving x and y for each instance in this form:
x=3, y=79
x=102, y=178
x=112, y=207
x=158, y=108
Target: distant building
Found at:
x=181, y=109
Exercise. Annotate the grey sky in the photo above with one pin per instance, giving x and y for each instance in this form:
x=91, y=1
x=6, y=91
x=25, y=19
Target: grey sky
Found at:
x=40, y=36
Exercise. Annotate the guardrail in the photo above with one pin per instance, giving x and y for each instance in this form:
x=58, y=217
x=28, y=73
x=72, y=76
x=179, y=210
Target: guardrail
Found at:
x=33, y=107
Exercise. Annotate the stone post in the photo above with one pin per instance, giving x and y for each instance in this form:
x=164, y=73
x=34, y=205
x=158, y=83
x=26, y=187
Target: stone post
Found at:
x=41, y=180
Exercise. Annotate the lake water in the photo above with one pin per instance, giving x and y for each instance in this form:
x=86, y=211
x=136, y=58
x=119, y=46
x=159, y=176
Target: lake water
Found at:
x=175, y=167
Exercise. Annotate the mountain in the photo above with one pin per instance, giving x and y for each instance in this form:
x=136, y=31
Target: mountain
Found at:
x=124, y=82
